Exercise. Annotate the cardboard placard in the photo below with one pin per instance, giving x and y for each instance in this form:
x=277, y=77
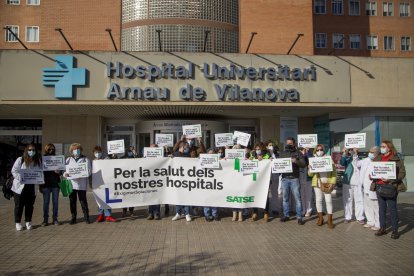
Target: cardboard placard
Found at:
x=282, y=165
x=28, y=176
x=386, y=170
x=116, y=146
x=154, y=152
x=210, y=161
x=162, y=139
x=53, y=163
x=192, y=131
x=356, y=140
x=308, y=140
x=320, y=164
x=234, y=153
x=223, y=139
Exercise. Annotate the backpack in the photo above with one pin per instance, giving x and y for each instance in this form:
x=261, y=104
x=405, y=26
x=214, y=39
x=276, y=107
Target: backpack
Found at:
x=7, y=192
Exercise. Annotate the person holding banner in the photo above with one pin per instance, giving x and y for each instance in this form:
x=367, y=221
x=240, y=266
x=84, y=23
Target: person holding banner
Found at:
x=210, y=213
x=290, y=181
x=104, y=214
x=51, y=186
x=389, y=154
x=24, y=194
x=131, y=153
x=351, y=186
x=306, y=184
x=79, y=185
x=154, y=210
x=318, y=179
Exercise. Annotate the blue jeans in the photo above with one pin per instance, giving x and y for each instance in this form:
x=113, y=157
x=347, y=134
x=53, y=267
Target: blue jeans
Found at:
x=291, y=185
x=179, y=207
x=391, y=203
x=106, y=212
x=210, y=210
x=154, y=209
x=55, y=201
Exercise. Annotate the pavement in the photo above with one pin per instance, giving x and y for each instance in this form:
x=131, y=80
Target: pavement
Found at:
x=135, y=246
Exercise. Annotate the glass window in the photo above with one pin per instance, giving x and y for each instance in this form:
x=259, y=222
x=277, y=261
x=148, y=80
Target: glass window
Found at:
x=337, y=7
x=354, y=41
x=338, y=41
x=405, y=43
x=372, y=42
x=405, y=10
x=388, y=43
x=9, y=37
x=354, y=7
x=371, y=8
x=33, y=2
x=13, y=2
x=320, y=6
x=32, y=34
x=320, y=40
x=387, y=9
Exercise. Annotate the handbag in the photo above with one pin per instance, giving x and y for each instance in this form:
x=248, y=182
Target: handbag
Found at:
x=326, y=187
x=386, y=190
x=66, y=187
x=7, y=191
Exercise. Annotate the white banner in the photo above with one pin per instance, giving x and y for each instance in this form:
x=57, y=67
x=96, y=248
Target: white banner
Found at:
x=320, y=164
x=153, y=152
x=53, y=163
x=308, y=140
x=234, y=153
x=116, y=146
x=162, y=139
x=282, y=165
x=210, y=161
x=386, y=170
x=77, y=170
x=356, y=140
x=192, y=131
x=28, y=176
x=224, y=139
x=241, y=138
x=249, y=166
x=119, y=183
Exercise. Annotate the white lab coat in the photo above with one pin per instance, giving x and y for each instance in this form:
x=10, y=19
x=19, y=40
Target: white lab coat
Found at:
x=363, y=166
x=80, y=184
x=17, y=166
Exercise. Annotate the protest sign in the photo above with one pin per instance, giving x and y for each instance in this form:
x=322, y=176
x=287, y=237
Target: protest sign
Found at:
x=153, y=152
x=308, y=140
x=386, y=170
x=320, y=164
x=282, y=165
x=249, y=166
x=210, y=161
x=356, y=140
x=77, y=170
x=116, y=146
x=53, y=163
x=192, y=131
x=224, y=139
x=234, y=153
x=29, y=176
x=162, y=139
x=241, y=138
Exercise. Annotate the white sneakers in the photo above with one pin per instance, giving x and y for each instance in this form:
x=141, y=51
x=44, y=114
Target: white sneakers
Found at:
x=375, y=228
x=368, y=225
x=19, y=227
x=177, y=217
x=29, y=226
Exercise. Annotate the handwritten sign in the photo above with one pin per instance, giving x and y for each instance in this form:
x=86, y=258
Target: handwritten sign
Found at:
x=162, y=139
x=386, y=170
x=249, y=166
x=210, y=161
x=116, y=146
x=241, y=138
x=192, y=131
x=28, y=176
x=224, y=139
x=308, y=140
x=320, y=164
x=154, y=152
x=53, y=163
x=356, y=140
x=282, y=165
x=77, y=170
x=234, y=153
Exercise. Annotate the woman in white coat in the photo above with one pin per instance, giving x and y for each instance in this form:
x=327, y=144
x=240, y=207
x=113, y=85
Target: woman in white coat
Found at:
x=24, y=194
x=370, y=198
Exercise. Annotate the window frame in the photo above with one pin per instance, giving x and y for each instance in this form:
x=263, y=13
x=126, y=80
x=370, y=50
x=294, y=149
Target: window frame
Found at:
x=408, y=10
x=38, y=34
x=342, y=8
x=370, y=6
x=401, y=44
x=386, y=37
x=326, y=40
x=342, y=41
x=6, y=33
x=13, y=4
x=38, y=4
x=314, y=7
x=349, y=8
x=350, y=42
x=372, y=36
x=388, y=3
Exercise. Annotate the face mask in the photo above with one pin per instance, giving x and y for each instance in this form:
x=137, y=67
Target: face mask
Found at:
x=31, y=153
x=371, y=156
x=290, y=147
x=186, y=150
x=51, y=152
x=258, y=152
x=270, y=148
x=384, y=150
x=76, y=152
x=221, y=154
x=98, y=155
x=319, y=153
x=130, y=153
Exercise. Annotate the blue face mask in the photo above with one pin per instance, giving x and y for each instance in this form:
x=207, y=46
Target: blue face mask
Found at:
x=186, y=150
x=130, y=154
x=31, y=153
x=371, y=156
x=98, y=155
x=76, y=152
x=384, y=150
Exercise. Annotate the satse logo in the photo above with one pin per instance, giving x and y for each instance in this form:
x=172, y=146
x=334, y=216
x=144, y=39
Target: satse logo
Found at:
x=64, y=77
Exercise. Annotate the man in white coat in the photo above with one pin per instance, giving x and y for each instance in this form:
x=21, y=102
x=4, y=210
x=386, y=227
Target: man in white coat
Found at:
x=370, y=198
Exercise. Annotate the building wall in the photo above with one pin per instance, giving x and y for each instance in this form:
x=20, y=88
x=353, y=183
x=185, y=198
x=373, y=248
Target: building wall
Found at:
x=83, y=24
x=277, y=23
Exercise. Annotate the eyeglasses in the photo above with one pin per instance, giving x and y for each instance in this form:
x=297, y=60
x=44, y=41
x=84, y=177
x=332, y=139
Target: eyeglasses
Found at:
x=319, y=149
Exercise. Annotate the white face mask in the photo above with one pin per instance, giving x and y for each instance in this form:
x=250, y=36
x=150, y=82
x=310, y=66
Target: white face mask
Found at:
x=384, y=150
x=270, y=148
x=320, y=153
x=98, y=155
x=371, y=156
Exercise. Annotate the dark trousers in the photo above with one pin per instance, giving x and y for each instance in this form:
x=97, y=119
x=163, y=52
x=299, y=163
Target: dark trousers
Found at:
x=84, y=203
x=24, y=201
x=124, y=210
x=391, y=203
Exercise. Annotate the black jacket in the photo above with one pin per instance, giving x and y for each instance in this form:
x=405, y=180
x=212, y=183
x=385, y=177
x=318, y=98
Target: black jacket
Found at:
x=300, y=162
